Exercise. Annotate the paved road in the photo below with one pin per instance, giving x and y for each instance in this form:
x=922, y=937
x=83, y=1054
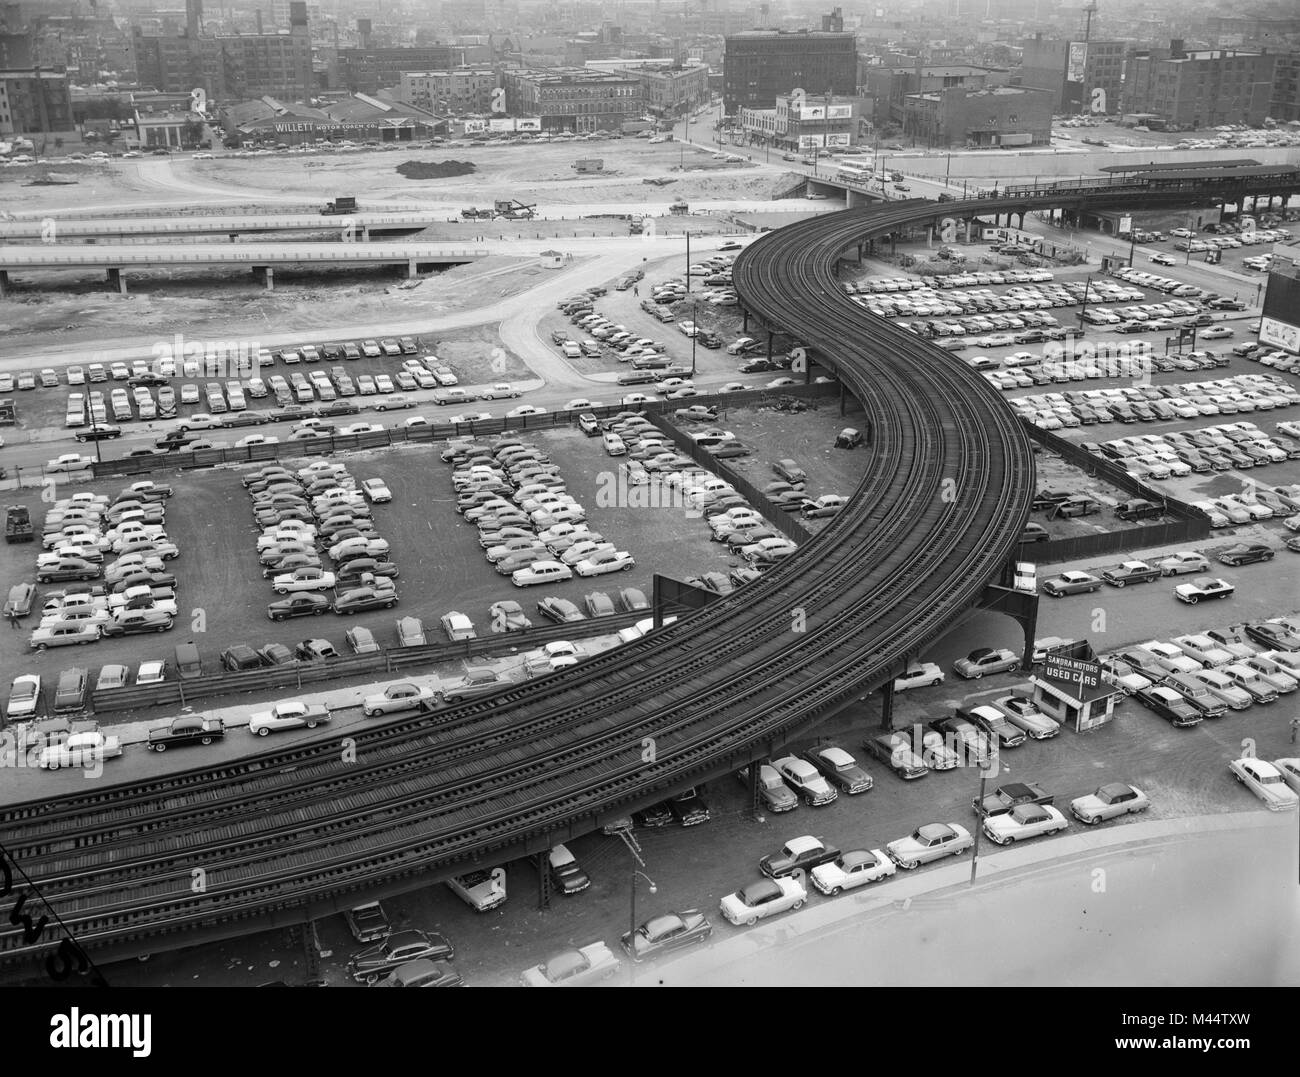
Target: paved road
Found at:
x=1206, y=901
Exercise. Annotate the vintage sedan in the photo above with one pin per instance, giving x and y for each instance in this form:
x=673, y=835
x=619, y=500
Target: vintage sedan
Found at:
x=797, y=854
x=367, y=966
x=1203, y=588
x=895, y=750
x=1109, y=802
x=997, y=725
x=1170, y=705
x=422, y=973
x=603, y=561
x=478, y=680
x=458, y=626
x=1290, y=771
x=1246, y=553
x=1266, y=782
x=403, y=696
x=986, y=660
x=840, y=768
x=291, y=714
x=761, y=899
x=1071, y=583
x=775, y=794
x=852, y=869
x=929, y=842
x=1182, y=563
x=578, y=967
x=664, y=934
x=1222, y=688
x=508, y=616
x=919, y=675
x=1024, y=821
x=1022, y=714
x=806, y=780
x=306, y=578
x=305, y=604
x=188, y=729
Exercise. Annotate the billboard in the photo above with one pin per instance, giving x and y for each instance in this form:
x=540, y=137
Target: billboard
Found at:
x=528, y=123
x=1280, y=325
x=838, y=139
x=839, y=112
x=501, y=125
x=813, y=112
x=1080, y=677
x=811, y=142
x=475, y=127
x=1078, y=60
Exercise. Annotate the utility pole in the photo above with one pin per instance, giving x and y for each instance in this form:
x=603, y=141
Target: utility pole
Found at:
x=695, y=309
x=688, y=262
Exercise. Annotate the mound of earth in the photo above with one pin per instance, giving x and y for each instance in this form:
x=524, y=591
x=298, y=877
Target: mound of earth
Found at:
x=424, y=170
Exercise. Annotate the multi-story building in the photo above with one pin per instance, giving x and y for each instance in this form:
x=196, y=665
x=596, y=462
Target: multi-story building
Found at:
x=465, y=89
x=760, y=65
x=574, y=100
x=808, y=125
x=1285, y=103
x=668, y=87
x=230, y=66
x=1002, y=116
x=33, y=100
x=365, y=70
x=1074, y=71
x=890, y=84
x=1201, y=89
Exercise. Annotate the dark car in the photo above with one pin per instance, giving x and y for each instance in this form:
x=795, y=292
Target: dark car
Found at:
x=1130, y=572
x=240, y=657
x=246, y=418
x=190, y=729
x=302, y=604
x=1273, y=636
x=797, y=854
x=840, y=768
x=479, y=680
x=396, y=950
x=360, y=599
x=99, y=432
x=653, y=817
x=566, y=873
x=1172, y=706
x=276, y=654
x=664, y=934
x=146, y=379
x=1246, y=553
x=689, y=809
x=1009, y=796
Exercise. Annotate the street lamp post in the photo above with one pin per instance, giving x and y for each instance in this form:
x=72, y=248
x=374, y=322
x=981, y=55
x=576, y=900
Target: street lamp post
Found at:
x=631, y=927
x=1087, y=286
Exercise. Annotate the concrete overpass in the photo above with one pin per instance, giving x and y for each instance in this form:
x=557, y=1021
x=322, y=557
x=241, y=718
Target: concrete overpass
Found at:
x=261, y=258
x=354, y=226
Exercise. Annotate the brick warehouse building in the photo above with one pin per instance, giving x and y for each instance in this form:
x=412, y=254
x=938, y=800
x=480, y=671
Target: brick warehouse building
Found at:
x=1003, y=116
x=574, y=100
x=760, y=65
x=1072, y=70
x=1201, y=89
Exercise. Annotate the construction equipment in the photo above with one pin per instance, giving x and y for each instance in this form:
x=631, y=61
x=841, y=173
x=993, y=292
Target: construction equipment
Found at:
x=473, y=214
x=514, y=210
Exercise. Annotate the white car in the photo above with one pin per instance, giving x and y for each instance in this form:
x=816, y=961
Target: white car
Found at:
x=1266, y=781
x=1183, y=562
x=919, y=675
x=69, y=462
x=1024, y=821
x=80, y=750
x=1290, y=771
x=761, y=899
x=458, y=626
x=603, y=561
x=501, y=391
x=805, y=780
x=1109, y=802
x=375, y=490
x=396, y=697
x=541, y=572
x=291, y=714
x=578, y=967
x=303, y=579
x=929, y=842
x=524, y=409
x=852, y=869
x=24, y=695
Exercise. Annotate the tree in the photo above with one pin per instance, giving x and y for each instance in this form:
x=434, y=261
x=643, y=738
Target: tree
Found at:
x=194, y=132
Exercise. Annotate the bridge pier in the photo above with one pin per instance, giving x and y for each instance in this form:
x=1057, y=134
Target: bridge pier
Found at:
x=887, y=705
x=266, y=274
x=1020, y=606
x=4, y=283
x=542, y=863
x=412, y=269
x=770, y=335
x=116, y=279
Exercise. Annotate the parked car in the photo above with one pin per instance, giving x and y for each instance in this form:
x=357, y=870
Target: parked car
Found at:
x=291, y=714
x=1203, y=588
x=367, y=966
x=666, y=933
x=1109, y=802
x=929, y=843
x=1266, y=781
x=1022, y=822
x=577, y=967
x=1246, y=553
x=986, y=660
x=761, y=899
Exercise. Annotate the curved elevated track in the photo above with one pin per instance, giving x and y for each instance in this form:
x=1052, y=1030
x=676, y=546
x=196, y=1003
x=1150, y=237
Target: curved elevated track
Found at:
x=294, y=833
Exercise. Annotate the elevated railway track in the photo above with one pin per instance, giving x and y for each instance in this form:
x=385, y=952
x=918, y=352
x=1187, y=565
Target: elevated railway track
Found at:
x=297, y=832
